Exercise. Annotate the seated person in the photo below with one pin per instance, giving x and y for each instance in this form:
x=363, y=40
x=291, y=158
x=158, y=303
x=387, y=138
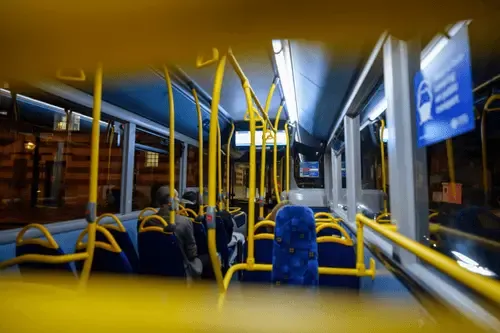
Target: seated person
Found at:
x=190, y=200
x=183, y=229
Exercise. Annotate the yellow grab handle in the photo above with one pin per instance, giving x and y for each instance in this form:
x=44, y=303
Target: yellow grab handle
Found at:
x=343, y=232
x=202, y=63
x=50, y=242
x=147, y=209
x=112, y=246
x=80, y=78
x=264, y=224
x=119, y=226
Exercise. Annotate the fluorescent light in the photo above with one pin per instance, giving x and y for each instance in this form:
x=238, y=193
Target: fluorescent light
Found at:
x=426, y=57
x=285, y=72
x=45, y=105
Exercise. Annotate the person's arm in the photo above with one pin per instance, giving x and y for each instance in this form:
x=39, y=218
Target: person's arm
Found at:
x=189, y=241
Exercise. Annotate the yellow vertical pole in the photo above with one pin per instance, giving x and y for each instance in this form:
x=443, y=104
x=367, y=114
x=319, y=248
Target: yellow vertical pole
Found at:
x=219, y=170
x=200, y=152
x=228, y=166
x=171, y=144
x=212, y=171
x=91, y=212
x=451, y=165
x=281, y=174
x=264, y=151
x=360, y=247
x=275, y=154
x=287, y=157
x=382, y=161
x=251, y=178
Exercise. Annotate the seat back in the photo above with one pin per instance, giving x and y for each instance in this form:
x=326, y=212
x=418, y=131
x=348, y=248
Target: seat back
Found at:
x=108, y=256
x=123, y=240
x=27, y=267
x=159, y=250
x=47, y=247
x=295, y=251
x=263, y=252
x=200, y=236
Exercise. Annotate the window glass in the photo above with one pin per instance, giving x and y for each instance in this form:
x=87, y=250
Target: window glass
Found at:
x=373, y=137
x=151, y=170
x=45, y=164
x=465, y=218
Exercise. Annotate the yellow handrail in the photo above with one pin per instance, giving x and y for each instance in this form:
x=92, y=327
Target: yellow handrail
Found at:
x=484, y=286
x=152, y=228
x=253, y=97
x=171, y=144
x=119, y=226
x=343, y=232
x=212, y=169
x=112, y=245
x=263, y=152
x=202, y=63
x=94, y=177
x=220, y=202
x=42, y=258
x=80, y=78
x=265, y=223
x=147, y=209
x=200, y=152
x=324, y=215
x=275, y=155
x=435, y=228
x=228, y=167
x=49, y=243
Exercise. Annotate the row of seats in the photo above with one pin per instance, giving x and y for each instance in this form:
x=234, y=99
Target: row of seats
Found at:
x=158, y=251
x=334, y=247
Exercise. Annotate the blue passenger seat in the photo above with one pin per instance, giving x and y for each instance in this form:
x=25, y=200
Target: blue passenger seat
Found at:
x=159, y=253
x=125, y=242
x=47, y=246
x=108, y=256
x=295, y=251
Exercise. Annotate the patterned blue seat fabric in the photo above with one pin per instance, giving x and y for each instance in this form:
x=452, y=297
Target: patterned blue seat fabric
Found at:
x=295, y=251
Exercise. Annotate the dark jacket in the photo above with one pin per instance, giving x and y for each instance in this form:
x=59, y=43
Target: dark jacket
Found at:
x=184, y=232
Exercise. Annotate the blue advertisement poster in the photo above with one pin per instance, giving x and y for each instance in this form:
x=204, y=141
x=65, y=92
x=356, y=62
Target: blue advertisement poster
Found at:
x=309, y=169
x=443, y=93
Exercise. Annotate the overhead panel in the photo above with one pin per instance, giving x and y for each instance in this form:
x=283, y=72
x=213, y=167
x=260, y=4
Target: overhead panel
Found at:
x=256, y=65
x=145, y=93
x=310, y=67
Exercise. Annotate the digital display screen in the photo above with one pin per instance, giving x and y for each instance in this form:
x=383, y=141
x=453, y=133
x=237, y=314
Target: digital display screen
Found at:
x=242, y=139
x=309, y=169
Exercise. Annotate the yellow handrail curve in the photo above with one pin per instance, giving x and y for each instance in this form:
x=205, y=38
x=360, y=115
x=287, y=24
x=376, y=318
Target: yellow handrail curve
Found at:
x=94, y=176
x=142, y=227
x=80, y=78
x=147, y=209
x=49, y=243
x=343, y=232
x=264, y=224
x=212, y=171
x=200, y=151
x=112, y=246
x=228, y=167
x=484, y=286
x=119, y=225
x=202, y=63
